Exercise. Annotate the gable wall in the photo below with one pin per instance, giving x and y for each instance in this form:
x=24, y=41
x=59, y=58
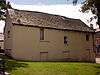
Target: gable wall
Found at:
x=8, y=40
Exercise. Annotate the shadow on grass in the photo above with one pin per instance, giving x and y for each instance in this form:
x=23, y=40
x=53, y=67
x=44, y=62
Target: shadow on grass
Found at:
x=14, y=65
x=97, y=69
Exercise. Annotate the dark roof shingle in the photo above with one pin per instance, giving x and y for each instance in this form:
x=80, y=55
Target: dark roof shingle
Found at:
x=46, y=20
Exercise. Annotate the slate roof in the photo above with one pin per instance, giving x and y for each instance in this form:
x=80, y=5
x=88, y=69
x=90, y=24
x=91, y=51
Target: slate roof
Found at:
x=41, y=19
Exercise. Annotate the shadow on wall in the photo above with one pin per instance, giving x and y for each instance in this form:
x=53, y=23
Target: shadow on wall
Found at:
x=14, y=65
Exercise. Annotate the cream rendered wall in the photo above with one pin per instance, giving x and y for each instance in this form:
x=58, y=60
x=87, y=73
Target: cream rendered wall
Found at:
x=8, y=41
x=78, y=45
x=27, y=44
x=2, y=45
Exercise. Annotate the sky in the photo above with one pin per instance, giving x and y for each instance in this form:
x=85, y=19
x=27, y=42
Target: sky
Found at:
x=43, y=2
x=58, y=7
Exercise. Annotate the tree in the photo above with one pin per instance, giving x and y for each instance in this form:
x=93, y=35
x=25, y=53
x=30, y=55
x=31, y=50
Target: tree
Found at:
x=93, y=5
x=97, y=5
x=3, y=7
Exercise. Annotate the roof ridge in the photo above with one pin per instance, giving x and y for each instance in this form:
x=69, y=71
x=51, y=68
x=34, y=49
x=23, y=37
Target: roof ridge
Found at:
x=44, y=13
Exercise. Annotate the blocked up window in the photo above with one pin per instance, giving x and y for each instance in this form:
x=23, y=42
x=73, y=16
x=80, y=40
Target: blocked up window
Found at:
x=66, y=54
x=43, y=56
x=41, y=33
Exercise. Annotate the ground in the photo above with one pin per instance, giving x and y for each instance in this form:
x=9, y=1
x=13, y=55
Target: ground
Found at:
x=16, y=67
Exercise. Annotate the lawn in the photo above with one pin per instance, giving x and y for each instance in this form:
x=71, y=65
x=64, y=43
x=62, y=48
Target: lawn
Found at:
x=51, y=68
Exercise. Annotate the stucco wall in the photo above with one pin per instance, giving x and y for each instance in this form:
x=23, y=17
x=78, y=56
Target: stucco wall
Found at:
x=2, y=45
x=8, y=37
x=1, y=40
x=27, y=44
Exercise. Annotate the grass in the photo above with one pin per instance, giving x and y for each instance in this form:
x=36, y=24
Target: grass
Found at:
x=51, y=68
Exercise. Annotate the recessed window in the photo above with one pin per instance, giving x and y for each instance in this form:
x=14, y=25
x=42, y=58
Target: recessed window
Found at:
x=41, y=33
x=65, y=40
x=87, y=37
x=9, y=34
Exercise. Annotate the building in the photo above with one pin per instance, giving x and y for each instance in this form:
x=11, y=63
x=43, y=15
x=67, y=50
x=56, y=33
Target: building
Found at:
x=37, y=36
x=97, y=42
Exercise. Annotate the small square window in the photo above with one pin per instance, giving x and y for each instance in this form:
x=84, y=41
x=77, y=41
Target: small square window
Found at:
x=8, y=34
x=65, y=40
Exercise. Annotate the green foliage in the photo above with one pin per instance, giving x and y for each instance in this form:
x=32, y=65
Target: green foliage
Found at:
x=3, y=7
x=88, y=4
x=94, y=6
